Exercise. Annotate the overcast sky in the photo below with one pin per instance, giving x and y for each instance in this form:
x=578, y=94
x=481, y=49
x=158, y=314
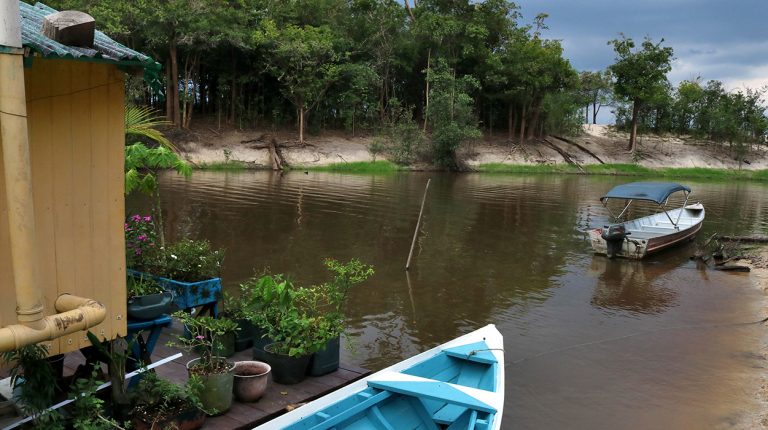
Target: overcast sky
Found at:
x=726, y=40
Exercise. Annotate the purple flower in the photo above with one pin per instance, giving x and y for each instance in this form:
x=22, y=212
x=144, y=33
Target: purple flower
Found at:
x=138, y=251
x=147, y=218
x=136, y=218
x=142, y=237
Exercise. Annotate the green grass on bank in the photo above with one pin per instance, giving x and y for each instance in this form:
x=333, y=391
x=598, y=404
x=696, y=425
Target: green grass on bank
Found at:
x=382, y=166
x=223, y=165
x=631, y=170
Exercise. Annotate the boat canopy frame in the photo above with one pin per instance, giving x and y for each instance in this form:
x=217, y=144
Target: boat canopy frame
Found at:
x=657, y=192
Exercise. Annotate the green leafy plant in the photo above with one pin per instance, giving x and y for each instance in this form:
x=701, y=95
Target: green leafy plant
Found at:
x=88, y=409
x=157, y=400
x=187, y=261
x=301, y=320
x=142, y=286
x=204, y=337
x=116, y=354
x=34, y=375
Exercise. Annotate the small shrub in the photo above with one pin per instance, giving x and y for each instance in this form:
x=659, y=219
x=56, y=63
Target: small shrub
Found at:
x=187, y=261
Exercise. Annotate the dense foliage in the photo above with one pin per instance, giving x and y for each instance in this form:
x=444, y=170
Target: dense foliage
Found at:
x=337, y=64
x=379, y=66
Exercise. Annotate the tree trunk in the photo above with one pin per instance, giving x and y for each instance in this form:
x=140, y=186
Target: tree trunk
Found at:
x=510, y=122
x=533, y=126
x=233, y=102
x=175, y=83
x=301, y=124
x=586, y=114
x=187, y=72
x=633, y=131
x=426, y=105
x=595, y=110
x=522, y=125
x=168, y=91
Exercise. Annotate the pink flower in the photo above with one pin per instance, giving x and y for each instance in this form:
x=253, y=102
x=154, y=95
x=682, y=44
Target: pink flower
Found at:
x=136, y=218
x=142, y=237
x=201, y=337
x=147, y=218
x=138, y=251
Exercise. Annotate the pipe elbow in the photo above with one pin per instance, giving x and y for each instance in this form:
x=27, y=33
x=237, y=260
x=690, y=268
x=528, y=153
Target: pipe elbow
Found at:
x=74, y=314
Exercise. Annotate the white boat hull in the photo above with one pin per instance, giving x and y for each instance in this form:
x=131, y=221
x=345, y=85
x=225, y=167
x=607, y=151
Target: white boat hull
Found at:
x=654, y=232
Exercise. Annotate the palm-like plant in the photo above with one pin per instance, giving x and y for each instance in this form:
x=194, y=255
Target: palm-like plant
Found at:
x=142, y=162
x=142, y=120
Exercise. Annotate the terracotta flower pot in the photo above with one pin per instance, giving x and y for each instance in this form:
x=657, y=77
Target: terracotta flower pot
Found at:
x=251, y=378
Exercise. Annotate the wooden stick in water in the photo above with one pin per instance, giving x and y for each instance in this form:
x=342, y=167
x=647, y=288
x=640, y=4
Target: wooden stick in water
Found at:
x=416, y=232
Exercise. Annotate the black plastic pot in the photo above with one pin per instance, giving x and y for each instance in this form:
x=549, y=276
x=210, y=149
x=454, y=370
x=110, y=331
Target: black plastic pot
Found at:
x=57, y=364
x=326, y=360
x=244, y=336
x=286, y=370
x=259, y=342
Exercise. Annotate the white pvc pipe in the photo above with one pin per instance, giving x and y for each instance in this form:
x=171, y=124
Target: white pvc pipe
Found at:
x=99, y=388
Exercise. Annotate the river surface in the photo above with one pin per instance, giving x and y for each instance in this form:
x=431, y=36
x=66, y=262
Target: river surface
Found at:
x=590, y=343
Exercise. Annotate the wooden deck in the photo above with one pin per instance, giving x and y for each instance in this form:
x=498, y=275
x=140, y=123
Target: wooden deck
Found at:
x=245, y=415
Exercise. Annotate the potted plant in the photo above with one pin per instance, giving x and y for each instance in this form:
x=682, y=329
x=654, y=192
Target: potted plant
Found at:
x=161, y=404
x=286, y=319
x=147, y=300
x=329, y=300
x=239, y=308
x=191, y=269
x=204, y=336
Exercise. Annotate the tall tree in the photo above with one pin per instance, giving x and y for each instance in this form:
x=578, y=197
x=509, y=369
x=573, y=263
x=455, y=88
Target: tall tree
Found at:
x=596, y=90
x=305, y=62
x=640, y=74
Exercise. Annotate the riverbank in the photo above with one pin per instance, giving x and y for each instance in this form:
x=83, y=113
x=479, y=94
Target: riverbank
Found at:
x=598, y=150
x=758, y=263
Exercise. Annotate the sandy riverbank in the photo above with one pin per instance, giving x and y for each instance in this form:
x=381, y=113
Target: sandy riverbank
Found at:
x=204, y=144
x=758, y=263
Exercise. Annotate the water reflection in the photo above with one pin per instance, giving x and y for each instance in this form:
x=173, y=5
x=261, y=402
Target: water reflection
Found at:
x=500, y=249
x=632, y=286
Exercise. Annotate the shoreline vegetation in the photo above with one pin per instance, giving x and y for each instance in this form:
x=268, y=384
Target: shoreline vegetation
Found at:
x=598, y=150
x=384, y=166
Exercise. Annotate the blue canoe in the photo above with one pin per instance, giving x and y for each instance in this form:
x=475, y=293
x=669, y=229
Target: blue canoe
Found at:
x=457, y=385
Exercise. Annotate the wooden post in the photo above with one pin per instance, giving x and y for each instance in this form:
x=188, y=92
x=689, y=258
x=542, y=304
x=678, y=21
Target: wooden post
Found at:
x=416, y=232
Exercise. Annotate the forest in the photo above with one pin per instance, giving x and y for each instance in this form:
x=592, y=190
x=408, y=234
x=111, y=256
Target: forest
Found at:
x=442, y=71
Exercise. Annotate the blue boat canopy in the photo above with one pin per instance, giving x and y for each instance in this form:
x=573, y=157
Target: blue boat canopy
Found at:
x=651, y=191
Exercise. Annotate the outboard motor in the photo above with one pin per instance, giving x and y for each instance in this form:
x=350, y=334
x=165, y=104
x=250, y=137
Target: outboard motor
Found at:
x=614, y=237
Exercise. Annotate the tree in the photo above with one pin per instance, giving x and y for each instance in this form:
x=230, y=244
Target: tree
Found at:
x=453, y=120
x=596, y=91
x=304, y=60
x=639, y=74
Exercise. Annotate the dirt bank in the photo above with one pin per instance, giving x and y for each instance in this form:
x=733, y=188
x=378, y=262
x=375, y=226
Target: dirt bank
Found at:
x=205, y=144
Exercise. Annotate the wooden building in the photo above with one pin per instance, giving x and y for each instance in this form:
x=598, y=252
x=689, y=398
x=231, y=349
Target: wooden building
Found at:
x=75, y=106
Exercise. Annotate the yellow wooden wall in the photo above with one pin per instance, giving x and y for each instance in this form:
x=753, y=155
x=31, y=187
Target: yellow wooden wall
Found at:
x=76, y=130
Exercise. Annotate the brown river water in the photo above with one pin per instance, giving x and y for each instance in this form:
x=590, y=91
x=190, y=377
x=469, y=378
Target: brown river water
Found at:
x=589, y=343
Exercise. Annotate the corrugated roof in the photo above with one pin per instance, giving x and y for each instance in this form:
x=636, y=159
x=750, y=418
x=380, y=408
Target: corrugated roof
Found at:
x=105, y=49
